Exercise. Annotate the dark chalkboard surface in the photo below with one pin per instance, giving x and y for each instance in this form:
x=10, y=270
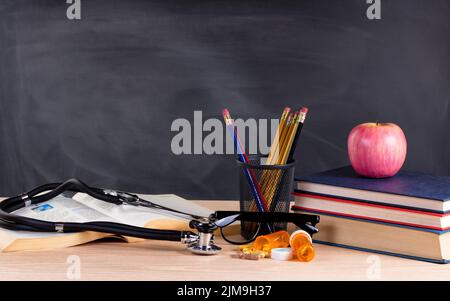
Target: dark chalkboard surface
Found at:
x=95, y=98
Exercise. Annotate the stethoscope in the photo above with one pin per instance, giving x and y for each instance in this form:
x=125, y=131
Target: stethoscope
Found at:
x=201, y=242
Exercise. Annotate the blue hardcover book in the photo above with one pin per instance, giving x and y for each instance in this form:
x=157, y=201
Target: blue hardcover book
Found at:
x=406, y=189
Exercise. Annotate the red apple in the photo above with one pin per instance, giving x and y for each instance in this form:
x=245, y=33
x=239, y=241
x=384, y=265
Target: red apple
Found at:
x=377, y=150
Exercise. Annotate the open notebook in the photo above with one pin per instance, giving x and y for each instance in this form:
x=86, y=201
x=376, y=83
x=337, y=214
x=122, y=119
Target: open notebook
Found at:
x=83, y=208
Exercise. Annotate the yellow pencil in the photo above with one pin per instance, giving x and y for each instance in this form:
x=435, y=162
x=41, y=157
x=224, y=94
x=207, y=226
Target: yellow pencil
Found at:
x=274, y=149
x=279, y=153
x=267, y=175
x=287, y=145
x=275, y=142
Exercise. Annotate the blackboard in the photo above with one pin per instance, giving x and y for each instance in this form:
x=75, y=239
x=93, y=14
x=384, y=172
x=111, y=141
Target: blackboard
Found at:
x=95, y=98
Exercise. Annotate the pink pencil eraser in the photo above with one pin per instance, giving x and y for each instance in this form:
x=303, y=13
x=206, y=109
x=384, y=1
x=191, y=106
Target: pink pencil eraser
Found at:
x=225, y=112
x=304, y=110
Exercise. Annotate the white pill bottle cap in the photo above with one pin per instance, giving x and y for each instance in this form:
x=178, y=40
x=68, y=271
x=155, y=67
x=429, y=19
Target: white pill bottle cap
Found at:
x=298, y=232
x=281, y=254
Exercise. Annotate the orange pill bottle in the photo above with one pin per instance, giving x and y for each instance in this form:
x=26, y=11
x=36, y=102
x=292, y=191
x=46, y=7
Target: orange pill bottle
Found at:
x=301, y=244
x=279, y=239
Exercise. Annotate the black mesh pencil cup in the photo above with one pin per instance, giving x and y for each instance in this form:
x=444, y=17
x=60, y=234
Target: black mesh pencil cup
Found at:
x=275, y=183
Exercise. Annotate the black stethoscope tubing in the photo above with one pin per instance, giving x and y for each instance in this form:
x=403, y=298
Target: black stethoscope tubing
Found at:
x=46, y=192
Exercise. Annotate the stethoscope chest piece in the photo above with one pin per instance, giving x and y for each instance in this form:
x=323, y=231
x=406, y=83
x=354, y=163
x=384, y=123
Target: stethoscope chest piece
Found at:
x=203, y=242
x=199, y=249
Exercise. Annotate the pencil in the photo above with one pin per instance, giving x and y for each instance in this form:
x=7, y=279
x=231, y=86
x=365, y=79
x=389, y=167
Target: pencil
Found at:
x=303, y=113
x=287, y=145
x=274, y=149
x=269, y=174
x=284, y=136
x=275, y=143
x=290, y=138
x=250, y=175
x=281, y=152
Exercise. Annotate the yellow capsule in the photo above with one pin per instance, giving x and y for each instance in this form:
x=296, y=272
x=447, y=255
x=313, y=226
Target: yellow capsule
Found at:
x=247, y=251
x=244, y=247
x=251, y=255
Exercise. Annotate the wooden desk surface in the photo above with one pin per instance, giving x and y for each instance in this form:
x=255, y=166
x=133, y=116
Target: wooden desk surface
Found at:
x=153, y=260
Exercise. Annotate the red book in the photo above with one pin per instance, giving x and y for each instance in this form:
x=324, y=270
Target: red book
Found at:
x=340, y=206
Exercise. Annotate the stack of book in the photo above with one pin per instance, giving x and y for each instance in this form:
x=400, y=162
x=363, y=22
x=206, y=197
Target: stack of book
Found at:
x=407, y=215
